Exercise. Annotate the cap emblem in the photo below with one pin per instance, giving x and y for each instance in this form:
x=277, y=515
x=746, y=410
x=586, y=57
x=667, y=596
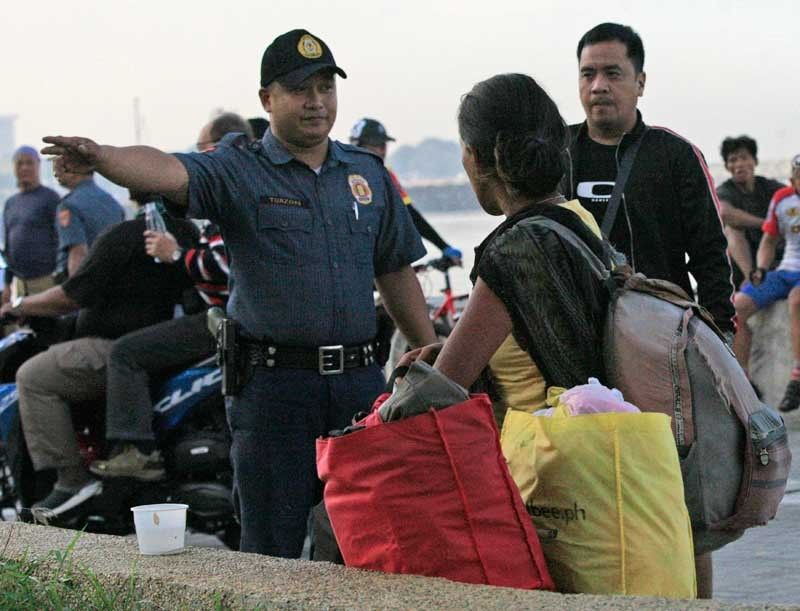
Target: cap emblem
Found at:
x=360, y=189
x=309, y=47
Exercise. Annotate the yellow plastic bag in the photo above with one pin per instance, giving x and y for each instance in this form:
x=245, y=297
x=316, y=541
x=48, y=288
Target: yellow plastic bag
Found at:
x=606, y=494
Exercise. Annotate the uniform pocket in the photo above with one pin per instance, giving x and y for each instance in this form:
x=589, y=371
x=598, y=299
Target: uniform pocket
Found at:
x=285, y=233
x=362, y=237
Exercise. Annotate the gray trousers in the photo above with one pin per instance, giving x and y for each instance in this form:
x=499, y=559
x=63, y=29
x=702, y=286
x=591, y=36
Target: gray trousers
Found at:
x=141, y=354
x=48, y=383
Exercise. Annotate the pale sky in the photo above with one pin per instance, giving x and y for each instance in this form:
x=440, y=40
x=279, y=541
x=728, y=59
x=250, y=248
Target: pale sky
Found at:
x=714, y=68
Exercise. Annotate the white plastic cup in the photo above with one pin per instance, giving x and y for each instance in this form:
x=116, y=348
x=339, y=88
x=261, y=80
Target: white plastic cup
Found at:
x=161, y=528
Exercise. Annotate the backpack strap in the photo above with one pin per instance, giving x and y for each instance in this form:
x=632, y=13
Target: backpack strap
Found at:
x=623, y=172
x=599, y=268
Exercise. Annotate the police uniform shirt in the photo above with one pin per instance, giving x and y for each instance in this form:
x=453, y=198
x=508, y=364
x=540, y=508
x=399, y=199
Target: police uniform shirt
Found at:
x=304, y=246
x=82, y=215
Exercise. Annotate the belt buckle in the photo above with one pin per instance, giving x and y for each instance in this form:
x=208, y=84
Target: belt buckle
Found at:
x=331, y=360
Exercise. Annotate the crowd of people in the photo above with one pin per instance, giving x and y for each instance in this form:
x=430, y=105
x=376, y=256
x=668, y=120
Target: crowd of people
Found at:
x=297, y=230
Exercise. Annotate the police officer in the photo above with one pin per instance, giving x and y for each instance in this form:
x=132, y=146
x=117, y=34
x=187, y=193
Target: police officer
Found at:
x=308, y=222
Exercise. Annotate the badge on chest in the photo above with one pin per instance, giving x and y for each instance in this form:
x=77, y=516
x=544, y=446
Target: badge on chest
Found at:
x=360, y=189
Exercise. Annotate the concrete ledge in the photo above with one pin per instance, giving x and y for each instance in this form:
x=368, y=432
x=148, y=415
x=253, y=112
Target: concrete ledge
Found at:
x=202, y=578
x=771, y=353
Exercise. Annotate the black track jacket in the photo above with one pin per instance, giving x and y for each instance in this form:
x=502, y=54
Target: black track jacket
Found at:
x=669, y=209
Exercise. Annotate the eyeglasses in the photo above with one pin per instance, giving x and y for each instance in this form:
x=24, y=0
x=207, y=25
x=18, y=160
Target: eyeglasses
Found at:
x=796, y=161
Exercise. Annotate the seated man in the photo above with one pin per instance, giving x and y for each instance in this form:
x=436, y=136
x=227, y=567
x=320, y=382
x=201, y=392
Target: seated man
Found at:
x=141, y=354
x=744, y=199
x=767, y=287
x=173, y=343
x=371, y=135
x=117, y=289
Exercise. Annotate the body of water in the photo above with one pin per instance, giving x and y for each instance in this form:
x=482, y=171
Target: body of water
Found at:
x=463, y=230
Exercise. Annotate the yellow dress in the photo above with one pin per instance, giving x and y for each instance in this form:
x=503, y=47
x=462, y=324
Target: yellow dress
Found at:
x=520, y=381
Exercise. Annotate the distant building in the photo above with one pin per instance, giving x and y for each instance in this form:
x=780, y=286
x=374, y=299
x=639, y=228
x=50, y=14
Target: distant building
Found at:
x=8, y=183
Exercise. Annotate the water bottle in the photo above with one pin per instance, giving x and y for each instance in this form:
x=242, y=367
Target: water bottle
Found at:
x=154, y=221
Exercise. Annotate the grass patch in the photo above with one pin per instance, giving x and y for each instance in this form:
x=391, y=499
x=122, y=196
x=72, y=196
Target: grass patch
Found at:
x=56, y=582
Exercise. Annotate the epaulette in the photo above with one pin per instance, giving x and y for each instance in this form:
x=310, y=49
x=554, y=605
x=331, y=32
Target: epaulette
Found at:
x=235, y=139
x=352, y=148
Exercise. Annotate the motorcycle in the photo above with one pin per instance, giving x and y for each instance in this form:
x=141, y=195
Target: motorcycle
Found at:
x=191, y=433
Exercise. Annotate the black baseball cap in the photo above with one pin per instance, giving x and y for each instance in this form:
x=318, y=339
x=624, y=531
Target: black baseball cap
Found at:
x=292, y=57
x=369, y=131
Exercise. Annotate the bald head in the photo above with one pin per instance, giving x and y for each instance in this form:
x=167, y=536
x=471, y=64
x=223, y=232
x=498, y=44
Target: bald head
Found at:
x=217, y=128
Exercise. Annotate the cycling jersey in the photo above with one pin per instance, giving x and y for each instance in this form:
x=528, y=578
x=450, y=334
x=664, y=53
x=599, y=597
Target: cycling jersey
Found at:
x=783, y=219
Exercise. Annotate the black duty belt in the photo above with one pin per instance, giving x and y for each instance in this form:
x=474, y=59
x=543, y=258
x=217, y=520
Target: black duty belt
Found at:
x=327, y=360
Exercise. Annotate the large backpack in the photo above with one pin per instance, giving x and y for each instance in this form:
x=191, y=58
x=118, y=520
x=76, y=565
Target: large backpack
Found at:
x=664, y=352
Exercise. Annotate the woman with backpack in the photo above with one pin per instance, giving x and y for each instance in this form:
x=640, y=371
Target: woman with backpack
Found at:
x=536, y=310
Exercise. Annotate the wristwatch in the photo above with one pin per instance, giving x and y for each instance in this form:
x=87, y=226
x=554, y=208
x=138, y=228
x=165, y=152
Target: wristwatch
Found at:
x=177, y=254
x=16, y=306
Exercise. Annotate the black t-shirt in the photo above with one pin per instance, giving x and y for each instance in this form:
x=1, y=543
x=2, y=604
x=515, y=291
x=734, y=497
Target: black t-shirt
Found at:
x=756, y=203
x=120, y=288
x=595, y=176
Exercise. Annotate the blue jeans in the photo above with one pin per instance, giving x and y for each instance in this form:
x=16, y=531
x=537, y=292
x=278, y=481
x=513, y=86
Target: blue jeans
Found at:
x=275, y=422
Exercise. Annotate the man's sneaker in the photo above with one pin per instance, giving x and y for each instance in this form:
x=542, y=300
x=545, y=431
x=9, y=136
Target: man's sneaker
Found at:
x=60, y=501
x=130, y=462
x=791, y=398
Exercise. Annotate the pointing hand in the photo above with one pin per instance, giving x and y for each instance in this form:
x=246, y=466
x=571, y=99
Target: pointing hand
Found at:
x=78, y=155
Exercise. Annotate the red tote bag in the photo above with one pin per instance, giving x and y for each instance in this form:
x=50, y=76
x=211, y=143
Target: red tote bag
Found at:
x=431, y=495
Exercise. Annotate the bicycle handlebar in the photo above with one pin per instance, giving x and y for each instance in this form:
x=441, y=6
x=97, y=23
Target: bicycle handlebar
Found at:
x=441, y=264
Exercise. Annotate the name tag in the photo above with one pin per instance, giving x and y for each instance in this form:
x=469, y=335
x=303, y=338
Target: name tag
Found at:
x=284, y=201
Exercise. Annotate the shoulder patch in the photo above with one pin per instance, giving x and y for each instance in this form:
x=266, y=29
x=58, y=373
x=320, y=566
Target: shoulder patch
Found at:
x=64, y=217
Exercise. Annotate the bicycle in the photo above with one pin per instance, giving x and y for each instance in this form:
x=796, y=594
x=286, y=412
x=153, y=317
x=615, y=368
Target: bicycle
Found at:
x=444, y=311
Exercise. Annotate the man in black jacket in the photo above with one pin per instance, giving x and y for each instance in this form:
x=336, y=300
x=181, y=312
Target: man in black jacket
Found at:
x=669, y=208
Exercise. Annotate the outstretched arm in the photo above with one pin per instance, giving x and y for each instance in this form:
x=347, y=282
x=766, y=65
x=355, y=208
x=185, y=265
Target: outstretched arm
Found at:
x=141, y=168
x=424, y=228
